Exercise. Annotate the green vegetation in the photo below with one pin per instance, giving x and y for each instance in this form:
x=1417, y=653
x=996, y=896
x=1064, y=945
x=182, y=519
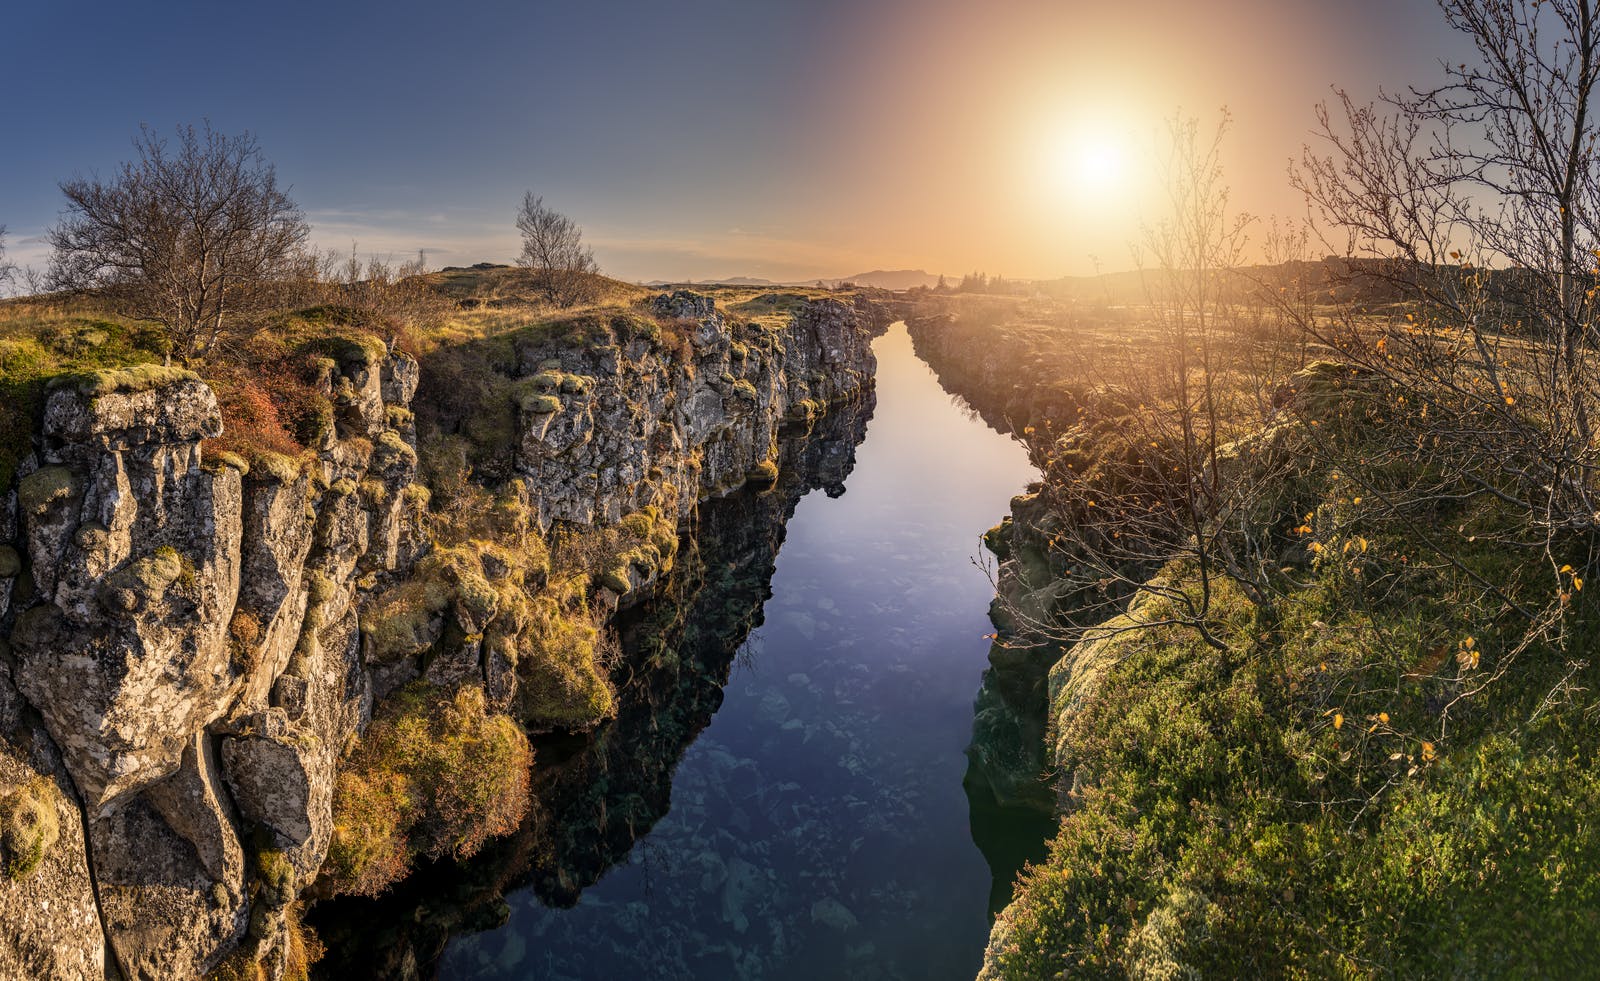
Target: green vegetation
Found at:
x=1360, y=761
x=29, y=825
x=1288, y=805
x=39, y=341
x=39, y=490
x=436, y=774
x=764, y=473
x=136, y=378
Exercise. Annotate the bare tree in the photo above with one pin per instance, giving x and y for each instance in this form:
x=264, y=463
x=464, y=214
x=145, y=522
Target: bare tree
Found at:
x=390, y=295
x=195, y=235
x=553, y=249
x=6, y=268
x=1477, y=204
x=1156, y=466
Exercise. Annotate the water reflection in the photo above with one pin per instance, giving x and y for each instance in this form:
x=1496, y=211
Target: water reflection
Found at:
x=595, y=796
x=781, y=794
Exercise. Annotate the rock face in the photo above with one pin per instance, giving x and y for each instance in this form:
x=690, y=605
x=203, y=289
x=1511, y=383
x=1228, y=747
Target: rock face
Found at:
x=47, y=901
x=605, y=427
x=185, y=658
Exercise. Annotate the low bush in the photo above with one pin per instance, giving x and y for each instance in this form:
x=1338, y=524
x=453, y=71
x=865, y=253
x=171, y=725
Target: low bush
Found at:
x=435, y=775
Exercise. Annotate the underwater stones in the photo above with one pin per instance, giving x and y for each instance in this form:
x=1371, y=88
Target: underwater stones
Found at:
x=745, y=885
x=833, y=914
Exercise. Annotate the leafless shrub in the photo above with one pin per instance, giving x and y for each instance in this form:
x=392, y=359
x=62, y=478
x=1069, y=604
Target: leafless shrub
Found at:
x=194, y=234
x=552, y=248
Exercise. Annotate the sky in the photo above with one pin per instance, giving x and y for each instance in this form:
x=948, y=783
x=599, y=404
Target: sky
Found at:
x=785, y=139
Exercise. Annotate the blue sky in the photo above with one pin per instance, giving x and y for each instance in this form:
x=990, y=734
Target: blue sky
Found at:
x=696, y=138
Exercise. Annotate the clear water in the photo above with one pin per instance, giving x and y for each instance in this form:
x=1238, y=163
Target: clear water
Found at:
x=781, y=795
x=818, y=826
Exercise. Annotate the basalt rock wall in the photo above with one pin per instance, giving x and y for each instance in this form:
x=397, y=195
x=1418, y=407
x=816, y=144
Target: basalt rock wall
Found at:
x=183, y=659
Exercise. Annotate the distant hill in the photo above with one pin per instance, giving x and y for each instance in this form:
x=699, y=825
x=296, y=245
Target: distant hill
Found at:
x=884, y=279
x=492, y=284
x=893, y=279
x=729, y=281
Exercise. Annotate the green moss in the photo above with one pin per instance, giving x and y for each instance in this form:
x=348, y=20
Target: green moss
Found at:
x=45, y=487
x=343, y=487
x=436, y=774
x=541, y=404
x=390, y=449
x=998, y=539
x=145, y=581
x=354, y=348
x=10, y=562
x=220, y=459
x=562, y=684
x=417, y=494
x=137, y=378
x=399, y=417
x=399, y=622
x=277, y=468
x=764, y=473
x=320, y=587
x=29, y=825
x=615, y=578
x=276, y=874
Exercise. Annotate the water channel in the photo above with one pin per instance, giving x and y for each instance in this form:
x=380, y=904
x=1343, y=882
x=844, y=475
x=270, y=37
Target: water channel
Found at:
x=781, y=794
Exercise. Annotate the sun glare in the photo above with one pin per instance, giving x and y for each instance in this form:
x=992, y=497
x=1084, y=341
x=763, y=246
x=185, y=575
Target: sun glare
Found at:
x=1094, y=164
x=1089, y=164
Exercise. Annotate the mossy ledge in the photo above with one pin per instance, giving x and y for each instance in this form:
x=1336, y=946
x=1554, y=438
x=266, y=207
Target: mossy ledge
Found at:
x=111, y=381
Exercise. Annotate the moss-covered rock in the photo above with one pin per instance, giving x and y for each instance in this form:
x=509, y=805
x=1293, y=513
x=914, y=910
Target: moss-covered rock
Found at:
x=45, y=487
x=109, y=381
x=29, y=825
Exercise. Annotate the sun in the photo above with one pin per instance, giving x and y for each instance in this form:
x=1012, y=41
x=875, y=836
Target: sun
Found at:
x=1087, y=164
x=1095, y=164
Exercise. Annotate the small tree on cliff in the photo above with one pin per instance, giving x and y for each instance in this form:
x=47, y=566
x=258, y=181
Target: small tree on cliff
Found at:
x=553, y=250
x=194, y=234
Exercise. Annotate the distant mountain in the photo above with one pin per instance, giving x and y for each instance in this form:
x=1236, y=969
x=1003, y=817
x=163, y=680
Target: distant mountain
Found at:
x=893, y=279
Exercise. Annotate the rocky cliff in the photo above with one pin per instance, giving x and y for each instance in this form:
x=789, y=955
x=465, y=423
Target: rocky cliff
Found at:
x=186, y=660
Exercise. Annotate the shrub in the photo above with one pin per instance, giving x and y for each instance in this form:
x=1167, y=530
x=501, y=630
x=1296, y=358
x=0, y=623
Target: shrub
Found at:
x=435, y=775
x=244, y=633
x=561, y=682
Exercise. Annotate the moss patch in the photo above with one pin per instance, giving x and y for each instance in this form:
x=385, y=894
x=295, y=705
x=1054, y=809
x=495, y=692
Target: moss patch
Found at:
x=135, y=378
x=45, y=487
x=29, y=825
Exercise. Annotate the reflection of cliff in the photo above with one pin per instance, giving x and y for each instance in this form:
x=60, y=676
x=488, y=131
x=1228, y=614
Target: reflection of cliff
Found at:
x=595, y=796
x=1012, y=804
